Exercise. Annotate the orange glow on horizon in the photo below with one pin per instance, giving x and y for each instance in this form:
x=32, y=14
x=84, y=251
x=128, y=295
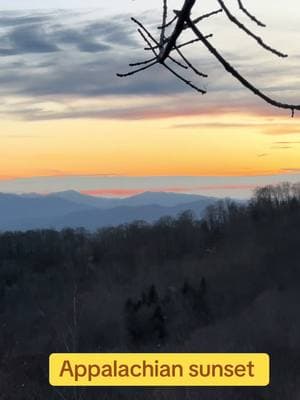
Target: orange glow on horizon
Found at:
x=222, y=145
x=194, y=189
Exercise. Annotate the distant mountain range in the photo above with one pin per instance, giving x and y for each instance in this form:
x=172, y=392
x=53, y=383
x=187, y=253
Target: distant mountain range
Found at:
x=73, y=209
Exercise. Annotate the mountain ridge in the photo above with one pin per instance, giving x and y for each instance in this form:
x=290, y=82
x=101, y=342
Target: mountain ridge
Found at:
x=74, y=209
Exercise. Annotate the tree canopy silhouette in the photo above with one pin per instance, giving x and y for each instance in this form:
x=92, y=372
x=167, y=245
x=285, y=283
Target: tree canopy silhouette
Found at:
x=166, y=49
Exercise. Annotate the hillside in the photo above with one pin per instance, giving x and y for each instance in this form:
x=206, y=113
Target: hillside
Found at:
x=228, y=283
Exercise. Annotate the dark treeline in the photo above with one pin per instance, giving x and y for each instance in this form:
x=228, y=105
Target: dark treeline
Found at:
x=227, y=283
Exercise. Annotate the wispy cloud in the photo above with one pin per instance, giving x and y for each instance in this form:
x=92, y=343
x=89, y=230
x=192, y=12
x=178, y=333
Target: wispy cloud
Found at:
x=11, y=20
x=27, y=39
x=117, y=192
x=291, y=170
x=262, y=155
x=200, y=125
x=290, y=129
x=286, y=142
x=112, y=192
x=281, y=147
x=25, y=35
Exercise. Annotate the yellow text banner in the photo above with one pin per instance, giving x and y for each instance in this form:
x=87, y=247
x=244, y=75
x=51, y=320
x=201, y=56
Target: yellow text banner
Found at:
x=179, y=369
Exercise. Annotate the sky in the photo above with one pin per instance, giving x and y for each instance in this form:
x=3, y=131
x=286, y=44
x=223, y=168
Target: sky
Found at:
x=68, y=122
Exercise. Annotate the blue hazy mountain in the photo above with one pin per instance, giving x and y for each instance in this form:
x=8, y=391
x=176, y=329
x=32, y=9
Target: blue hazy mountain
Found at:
x=166, y=199
x=73, y=209
x=14, y=206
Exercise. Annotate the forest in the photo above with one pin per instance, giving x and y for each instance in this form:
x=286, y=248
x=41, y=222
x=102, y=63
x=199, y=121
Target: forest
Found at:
x=229, y=282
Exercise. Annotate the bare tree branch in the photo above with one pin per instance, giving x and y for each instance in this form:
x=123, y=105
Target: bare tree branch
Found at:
x=163, y=47
x=187, y=82
x=229, y=68
x=182, y=15
x=157, y=44
x=164, y=21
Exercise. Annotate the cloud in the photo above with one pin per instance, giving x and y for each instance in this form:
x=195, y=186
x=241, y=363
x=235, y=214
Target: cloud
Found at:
x=95, y=77
x=27, y=39
x=167, y=108
x=41, y=34
x=211, y=187
x=291, y=170
x=83, y=41
x=262, y=155
x=290, y=129
x=281, y=147
x=286, y=142
x=112, y=192
x=62, y=56
x=173, y=105
x=117, y=192
x=117, y=184
x=9, y=20
x=229, y=125
x=117, y=30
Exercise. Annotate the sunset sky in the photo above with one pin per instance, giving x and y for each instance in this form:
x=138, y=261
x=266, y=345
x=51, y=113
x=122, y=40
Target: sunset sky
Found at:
x=68, y=122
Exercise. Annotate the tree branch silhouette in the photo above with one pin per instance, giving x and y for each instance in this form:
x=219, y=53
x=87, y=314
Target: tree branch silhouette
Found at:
x=163, y=47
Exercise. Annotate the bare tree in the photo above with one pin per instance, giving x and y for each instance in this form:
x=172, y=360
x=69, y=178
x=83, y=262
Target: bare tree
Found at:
x=166, y=47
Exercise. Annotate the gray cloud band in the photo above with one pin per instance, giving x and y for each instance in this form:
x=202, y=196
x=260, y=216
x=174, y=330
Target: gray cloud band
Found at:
x=55, y=56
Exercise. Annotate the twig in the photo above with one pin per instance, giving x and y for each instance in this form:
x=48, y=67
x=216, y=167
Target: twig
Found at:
x=189, y=64
x=189, y=83
x=167, y=24
x=251, y=16
x=148, y=43
x=204, y=16
x=258, y=39
x=142, y=62
x=135, y=71
x=193, y=41
x=183, y=44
